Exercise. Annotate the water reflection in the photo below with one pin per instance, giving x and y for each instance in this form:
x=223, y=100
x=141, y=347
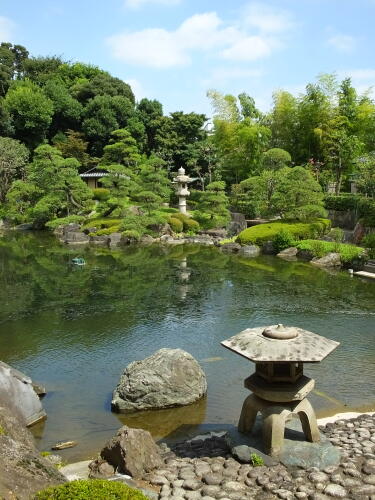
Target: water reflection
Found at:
x=76, y=329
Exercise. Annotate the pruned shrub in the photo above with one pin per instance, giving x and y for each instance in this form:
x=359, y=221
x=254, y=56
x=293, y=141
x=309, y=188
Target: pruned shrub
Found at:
x=191, y=225
x=298, y=230
x=132, y=234
x=101, y=194
x=283, y=240
x=91, y=489
x=176, y=224
x=108, y=230
x=369, y=242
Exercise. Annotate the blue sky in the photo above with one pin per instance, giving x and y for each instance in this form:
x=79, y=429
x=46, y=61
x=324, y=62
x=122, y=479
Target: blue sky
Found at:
x=174, y=50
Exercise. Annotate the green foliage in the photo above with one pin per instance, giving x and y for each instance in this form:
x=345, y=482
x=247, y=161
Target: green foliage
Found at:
x=13, y=158
x=31, y=112
x=319, y=248
x=45, y=453
x=341, y=202
x=101, y=194
x=132, y=234
x=282, y=240
x=191, y=225
x=176, y=224
x=53, y=224
x=276, y=158
x=369, y=242
x=107, y=231
x=365, y=179
x=256, y=460
x=101, y=223
x=94, y=489
x=364, y=207
x=336, y=234
x=298, y=230
x=2, y=431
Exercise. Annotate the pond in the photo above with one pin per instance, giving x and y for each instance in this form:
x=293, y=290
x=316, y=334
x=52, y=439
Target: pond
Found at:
x=75, y=328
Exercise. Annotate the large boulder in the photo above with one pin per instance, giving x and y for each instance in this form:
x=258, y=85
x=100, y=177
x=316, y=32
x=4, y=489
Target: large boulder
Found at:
x=131, y=451
x=23, y=471
x=237, y=224
x=332, y=259
x=288, y=254
x=250, y=251
x=17, y=393
x=168, y=378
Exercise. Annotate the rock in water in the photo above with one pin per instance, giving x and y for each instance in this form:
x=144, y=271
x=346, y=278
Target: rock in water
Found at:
x=131, y=451
x=170, y=377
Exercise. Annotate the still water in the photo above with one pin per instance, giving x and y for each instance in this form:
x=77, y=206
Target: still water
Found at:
x=74, y=329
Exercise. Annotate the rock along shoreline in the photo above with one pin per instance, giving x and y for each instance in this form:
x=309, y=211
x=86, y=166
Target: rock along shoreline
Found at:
x=205, y=469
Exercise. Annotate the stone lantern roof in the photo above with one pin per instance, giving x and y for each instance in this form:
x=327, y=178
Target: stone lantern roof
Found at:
x=277, y=343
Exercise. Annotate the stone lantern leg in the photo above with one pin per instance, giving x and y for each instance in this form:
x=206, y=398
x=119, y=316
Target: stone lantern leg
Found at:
x=182, y=180
x=279, y=388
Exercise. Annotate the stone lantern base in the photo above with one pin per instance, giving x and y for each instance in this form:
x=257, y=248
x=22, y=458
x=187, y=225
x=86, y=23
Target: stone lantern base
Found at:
x=275, y=415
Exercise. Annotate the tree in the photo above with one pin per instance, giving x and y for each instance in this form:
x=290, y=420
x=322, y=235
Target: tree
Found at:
x=13, y=158
x=73, y=145
x=38, y=200
x=12, y=60
x=149, y=112
x=66, y=110
x=297, y=195
x=101, y=83
x=284, y=122
x=276, y=158
x=365, y=179
x=153, y=177
x=103, y=115
x=214, y=201
x=31, y=112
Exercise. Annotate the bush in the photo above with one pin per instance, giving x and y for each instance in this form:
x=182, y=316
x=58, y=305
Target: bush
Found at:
x=369, y=242
x=320, y=248
x=53, y=224
x=297, y=230
x=176, y=225
x=341, y=202
x=283, y=240
x=101, y=223
x=364, y=207
x=108, y=230
x=132, y=234
x=92, y=489
x=101, y=194
x=191, y=225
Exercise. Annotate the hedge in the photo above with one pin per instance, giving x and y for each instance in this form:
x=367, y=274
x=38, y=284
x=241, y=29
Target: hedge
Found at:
x=92, y=489
x=299, y=230
x=364, y=207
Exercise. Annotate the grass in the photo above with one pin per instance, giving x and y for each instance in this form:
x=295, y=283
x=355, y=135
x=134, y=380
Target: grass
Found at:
x=320, y=248
x=267, y=232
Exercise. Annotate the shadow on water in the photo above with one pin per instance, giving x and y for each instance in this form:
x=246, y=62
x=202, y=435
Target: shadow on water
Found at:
x=75, y=330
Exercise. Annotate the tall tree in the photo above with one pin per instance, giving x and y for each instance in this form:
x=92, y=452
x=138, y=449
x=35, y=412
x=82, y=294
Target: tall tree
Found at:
x=13, y=159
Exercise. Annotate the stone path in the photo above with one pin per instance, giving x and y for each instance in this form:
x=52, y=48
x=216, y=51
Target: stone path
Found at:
x=200, y=469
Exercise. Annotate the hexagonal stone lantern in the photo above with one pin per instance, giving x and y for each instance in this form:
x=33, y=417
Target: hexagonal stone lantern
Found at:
x=279, y=387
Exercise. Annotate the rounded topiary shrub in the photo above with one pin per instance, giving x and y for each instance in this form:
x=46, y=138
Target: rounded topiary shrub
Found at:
x=176, y=224
x=92, y=489
x=131, y=234
x=191, y=225
x=101, y=194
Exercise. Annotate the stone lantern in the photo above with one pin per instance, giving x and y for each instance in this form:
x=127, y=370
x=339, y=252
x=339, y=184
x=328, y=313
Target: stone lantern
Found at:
x=279, y=387
x=182, y=180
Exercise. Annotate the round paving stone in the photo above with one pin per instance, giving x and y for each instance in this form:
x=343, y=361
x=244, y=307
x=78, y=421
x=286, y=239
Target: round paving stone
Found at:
x=335, y=490
x=192, y=484
x=214, y=479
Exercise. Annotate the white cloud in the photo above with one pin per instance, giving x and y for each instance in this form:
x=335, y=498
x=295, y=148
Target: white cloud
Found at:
x=267, y=19
x=137, y=88
x=343, y=43
x=359, y=74
x=222, y=75
x=137, y=4
x=160, y=48
x=6, y=29
x=249, y=48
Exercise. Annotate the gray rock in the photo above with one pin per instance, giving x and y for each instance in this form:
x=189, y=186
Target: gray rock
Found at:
x=332, y=259
x=249, y=251
x=335, y=490
x=99, y=240
x=237, y=224
x=305, y=255
x=268, y=248
x=131, y=451
x=114, y=239
x=243, y=454
x=288, y=253
x=168, y=378
x=215, y=233
x=231, y=247
x=17, y=392
x=75, y=238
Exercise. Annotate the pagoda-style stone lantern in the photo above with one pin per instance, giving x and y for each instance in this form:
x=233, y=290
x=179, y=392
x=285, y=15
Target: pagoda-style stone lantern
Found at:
x=279, y=387
x=182, y=180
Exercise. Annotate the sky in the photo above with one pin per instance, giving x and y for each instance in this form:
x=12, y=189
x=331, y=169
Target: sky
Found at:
x=175, y=50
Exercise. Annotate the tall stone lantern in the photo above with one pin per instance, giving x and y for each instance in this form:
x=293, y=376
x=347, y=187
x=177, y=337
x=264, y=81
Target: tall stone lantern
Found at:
x=279, y=387
x=182, y=180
